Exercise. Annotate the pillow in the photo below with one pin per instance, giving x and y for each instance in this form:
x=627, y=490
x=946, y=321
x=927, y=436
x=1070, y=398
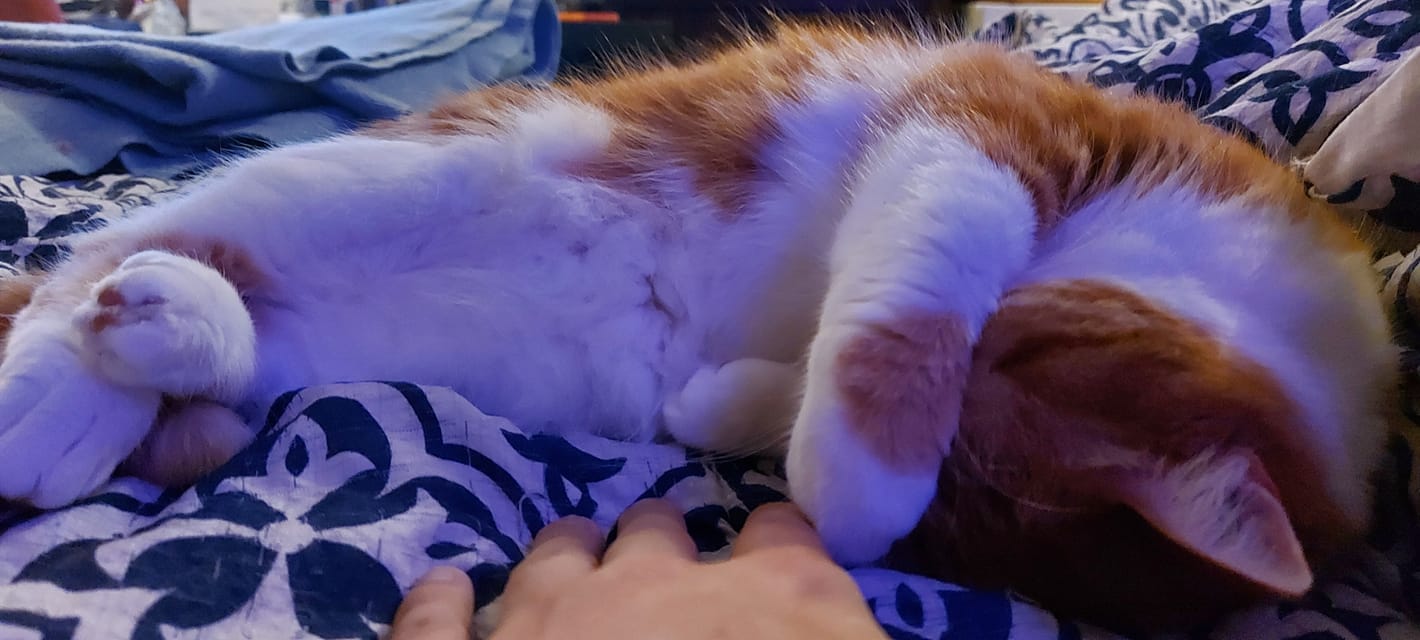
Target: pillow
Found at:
x=1370, y=164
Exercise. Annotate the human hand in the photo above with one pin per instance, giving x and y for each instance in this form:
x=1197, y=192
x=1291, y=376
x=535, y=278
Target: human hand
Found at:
x=778, y=583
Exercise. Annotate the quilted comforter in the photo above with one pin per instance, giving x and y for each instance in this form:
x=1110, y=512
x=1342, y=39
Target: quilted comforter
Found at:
x=352, y=491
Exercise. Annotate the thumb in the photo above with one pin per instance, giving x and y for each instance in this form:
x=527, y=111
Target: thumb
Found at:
x=438, y=607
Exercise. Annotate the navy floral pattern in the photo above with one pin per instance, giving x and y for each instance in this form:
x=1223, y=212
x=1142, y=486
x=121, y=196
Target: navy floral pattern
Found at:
x=1279, y=73
x=350, y=492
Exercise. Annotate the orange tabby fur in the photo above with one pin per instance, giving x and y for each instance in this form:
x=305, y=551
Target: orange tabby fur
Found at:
x=15, y=292
x=1017, y=493
x=1065, y=377
x=1060, y=367
x=1066, y=142
x=893, y=379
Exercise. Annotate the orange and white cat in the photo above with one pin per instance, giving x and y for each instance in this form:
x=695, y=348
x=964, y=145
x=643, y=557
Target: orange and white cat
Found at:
x=1154, y=369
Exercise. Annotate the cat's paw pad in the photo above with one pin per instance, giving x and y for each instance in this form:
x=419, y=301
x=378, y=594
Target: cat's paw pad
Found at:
x=170, y=323
x=63, y=429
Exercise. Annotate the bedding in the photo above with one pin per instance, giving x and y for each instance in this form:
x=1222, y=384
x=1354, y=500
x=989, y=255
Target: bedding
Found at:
x=1283, y=74
x=79, y=99
x=1369, y=164
x=352, y=491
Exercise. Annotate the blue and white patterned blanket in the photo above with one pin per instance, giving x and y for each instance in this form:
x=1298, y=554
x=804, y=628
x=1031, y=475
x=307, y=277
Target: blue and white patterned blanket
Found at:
x=352, y=491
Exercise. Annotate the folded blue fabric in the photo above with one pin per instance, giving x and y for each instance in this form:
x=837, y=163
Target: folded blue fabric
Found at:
x=75, y=98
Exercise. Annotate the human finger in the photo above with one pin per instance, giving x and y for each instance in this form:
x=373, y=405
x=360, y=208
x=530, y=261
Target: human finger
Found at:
x=438, y=607
x=778, y=525
x=651, y=527
x=564, y=550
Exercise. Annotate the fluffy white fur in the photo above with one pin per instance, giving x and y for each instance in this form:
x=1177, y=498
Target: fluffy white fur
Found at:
x=177, y=327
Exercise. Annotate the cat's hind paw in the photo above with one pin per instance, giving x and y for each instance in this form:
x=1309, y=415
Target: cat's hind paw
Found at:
x=63, y=429
x=167, y=322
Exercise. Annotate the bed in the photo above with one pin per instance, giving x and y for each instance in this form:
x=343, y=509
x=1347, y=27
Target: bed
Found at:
x=352, y=491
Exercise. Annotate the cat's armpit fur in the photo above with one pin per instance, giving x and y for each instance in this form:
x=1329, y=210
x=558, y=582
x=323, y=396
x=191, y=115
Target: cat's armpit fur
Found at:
x=1154, y=369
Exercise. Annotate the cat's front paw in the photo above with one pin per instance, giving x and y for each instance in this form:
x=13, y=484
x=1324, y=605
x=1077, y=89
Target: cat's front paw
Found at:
x=859, y=502
x=879, y=415
x=167, y=322
x=63, y=428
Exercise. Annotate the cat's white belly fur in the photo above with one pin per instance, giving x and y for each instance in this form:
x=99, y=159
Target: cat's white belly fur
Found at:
x=553, y=301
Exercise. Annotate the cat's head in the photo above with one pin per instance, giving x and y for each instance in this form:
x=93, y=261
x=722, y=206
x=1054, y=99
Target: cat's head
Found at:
x=1119, y=463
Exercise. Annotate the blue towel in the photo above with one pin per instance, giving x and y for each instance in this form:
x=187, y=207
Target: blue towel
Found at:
x=76, y=98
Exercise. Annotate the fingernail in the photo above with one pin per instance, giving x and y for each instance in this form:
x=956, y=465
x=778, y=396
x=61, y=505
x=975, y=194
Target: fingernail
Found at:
x=786, y=508
x=778, y=510
x=445, y=574
x=578, y=524
x=649, y=505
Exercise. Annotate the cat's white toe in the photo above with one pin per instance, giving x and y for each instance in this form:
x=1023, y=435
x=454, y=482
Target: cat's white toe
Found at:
x=167, y=322
x=880, y=412
x=859, y=504
x=744, y=406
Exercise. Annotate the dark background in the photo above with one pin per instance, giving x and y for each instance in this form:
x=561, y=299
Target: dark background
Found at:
x=678, y=28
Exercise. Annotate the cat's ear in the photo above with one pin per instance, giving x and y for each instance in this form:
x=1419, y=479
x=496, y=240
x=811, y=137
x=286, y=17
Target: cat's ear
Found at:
x=1223, y=507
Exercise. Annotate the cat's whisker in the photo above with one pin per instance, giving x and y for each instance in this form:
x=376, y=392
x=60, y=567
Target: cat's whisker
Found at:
x=765, y=442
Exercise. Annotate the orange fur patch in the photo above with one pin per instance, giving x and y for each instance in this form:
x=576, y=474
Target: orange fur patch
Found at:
x=102, y=320
x=190, y=438
x=1068, y=380
x=483, y=112
x=712, y=118
x=1069, y=142
x=110, y=297
x=232, y=262
x=901, y=384
x=15, y=294
x=1066, y=141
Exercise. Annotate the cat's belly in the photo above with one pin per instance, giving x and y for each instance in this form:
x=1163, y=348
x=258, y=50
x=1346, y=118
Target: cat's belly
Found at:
x=579, y=309
x=552, y=344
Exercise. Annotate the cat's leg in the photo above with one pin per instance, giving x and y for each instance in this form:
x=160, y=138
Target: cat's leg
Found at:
x=88, y=361
x=742, y=407
x=933, y=233
x=178, y=325
x=63, y=425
